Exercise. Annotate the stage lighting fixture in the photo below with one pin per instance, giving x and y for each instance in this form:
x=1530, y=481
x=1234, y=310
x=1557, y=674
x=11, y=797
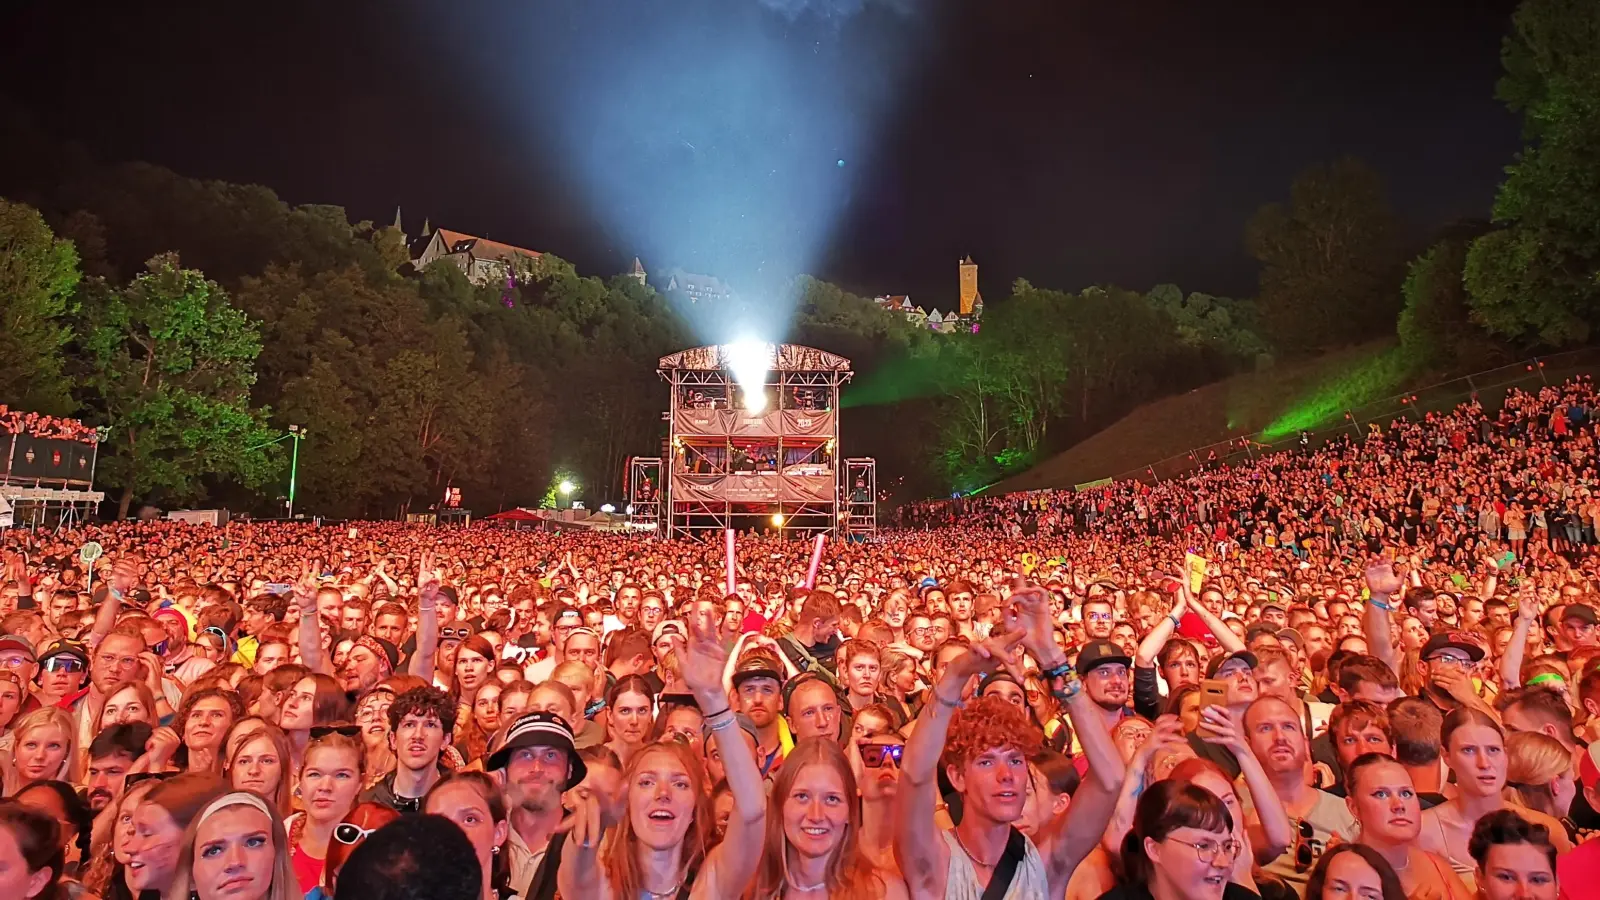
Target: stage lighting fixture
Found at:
x=777, y=520
x=566, y=487
x=750, y=361
x=608, y=508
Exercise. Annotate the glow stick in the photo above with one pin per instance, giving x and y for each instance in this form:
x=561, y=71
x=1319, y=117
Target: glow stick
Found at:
x=727, y=536
x=816, y=560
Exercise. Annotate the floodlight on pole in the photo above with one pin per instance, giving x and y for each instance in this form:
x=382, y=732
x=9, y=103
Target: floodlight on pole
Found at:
x=777, y=520
x=298, y=434
x=566, y=487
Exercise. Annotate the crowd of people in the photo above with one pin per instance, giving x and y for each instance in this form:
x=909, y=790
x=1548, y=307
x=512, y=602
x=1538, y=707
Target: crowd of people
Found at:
x=1368, y=669
x=40, y=425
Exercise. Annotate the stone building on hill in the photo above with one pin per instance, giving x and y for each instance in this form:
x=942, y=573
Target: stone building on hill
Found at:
x=964, y=317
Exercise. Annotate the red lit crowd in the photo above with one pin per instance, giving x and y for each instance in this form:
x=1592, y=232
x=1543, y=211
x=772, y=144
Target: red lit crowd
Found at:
x=39, y=425
x=1368, y=669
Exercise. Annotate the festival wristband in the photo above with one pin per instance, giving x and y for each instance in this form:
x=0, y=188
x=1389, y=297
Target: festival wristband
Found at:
x=1054, y=672
x=1379, y=603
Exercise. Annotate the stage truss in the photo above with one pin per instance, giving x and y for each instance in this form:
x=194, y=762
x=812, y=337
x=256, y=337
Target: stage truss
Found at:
x=777, y=468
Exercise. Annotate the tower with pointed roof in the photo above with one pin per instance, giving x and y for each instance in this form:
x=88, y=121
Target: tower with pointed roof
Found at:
x=637, y=273
x=970, y=297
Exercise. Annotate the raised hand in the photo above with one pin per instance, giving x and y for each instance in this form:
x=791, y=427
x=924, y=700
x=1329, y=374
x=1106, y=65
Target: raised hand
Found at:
x=1382, y=579
x=1217, y=727
x=985, y=656
x=703, y=656
x=1029, y=613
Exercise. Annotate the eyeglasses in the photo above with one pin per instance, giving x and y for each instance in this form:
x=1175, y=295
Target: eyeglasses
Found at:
x=874, y=755
x=349, y=834
x=15, y=662
x=1209, y=851
x=63, y=664
x=1455, y=661
x=322, y=731
x=1099, y=617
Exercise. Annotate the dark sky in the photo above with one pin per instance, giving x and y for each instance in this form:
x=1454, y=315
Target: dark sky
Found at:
x=1064, y=141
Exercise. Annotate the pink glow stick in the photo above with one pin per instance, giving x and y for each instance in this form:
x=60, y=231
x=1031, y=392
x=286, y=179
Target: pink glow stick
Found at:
x=727, y=536
x=816, y=560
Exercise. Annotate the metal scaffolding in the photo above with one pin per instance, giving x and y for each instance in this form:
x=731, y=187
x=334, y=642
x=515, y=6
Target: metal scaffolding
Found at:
x=762, y=454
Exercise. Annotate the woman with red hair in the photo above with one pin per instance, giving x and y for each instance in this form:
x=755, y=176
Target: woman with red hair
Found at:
x=661, y=845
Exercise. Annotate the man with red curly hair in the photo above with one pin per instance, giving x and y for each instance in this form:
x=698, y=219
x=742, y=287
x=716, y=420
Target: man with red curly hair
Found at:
x=986, y=745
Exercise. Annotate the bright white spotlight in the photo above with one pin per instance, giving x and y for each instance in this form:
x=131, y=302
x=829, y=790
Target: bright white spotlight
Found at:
x=607, y=508
x=750, y=361
x=566, y=487
x=777, y=519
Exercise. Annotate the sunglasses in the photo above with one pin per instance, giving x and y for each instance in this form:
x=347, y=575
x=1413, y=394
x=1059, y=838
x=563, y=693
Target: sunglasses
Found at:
x=346, y=833
x=873, y=755
x=454, y=634
x=322, y=731
x=137, y=777
x=159, y=648
x=63, y=664
x=1303, y=855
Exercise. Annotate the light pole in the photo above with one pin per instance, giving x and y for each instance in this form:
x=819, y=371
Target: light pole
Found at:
x=299, y=434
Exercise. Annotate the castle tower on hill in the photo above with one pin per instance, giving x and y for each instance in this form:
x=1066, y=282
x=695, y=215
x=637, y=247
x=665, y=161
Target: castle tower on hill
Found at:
x=970, y=297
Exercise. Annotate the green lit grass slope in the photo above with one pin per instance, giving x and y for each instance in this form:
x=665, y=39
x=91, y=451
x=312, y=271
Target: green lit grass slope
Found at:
x=1305, y=394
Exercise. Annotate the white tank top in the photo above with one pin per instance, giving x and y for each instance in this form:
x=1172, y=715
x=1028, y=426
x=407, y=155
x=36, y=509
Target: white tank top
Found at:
x=961, y=879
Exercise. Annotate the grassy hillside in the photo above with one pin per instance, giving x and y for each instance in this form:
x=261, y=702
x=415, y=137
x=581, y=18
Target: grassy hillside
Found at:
x=1282, y=398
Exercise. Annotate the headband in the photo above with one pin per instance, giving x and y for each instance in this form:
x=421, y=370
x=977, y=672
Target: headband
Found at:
x=237, y=798
x=371, y=643
x=1546, y=678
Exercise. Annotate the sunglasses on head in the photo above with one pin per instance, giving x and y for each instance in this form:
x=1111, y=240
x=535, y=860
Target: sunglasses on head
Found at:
x=873, y=755
x=347, y=833
x=322, y=731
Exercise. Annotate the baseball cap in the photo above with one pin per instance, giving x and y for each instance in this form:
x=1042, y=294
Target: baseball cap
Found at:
x=1244, y=656
x=63, y=647
x=1101, y=653
x=1455, y=640
x=757, y=665
x=667, y=626
x=17, y=642
x=1292, y=636
x=541, y=729
x=1583, y=612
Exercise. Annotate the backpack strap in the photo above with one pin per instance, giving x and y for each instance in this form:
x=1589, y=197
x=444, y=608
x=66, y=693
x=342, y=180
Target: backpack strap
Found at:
x=1005, y=871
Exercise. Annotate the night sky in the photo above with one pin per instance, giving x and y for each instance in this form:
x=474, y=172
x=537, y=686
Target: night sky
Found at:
x=1066, y=142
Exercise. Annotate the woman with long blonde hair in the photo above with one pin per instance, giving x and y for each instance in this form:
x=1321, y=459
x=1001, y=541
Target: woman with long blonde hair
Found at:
x=1539, y=769
x=235, y=849
x=45, y=749
x=813, y=844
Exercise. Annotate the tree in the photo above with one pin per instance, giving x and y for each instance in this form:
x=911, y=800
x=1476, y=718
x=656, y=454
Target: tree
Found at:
x=38, y=277
x=167, y=364
x=1329, y=267
x=1433, y=324
x=1220, y=325
x=1538, y=279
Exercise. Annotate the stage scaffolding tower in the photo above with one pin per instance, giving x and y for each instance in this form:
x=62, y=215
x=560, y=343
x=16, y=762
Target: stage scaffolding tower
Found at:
x=767, y=457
